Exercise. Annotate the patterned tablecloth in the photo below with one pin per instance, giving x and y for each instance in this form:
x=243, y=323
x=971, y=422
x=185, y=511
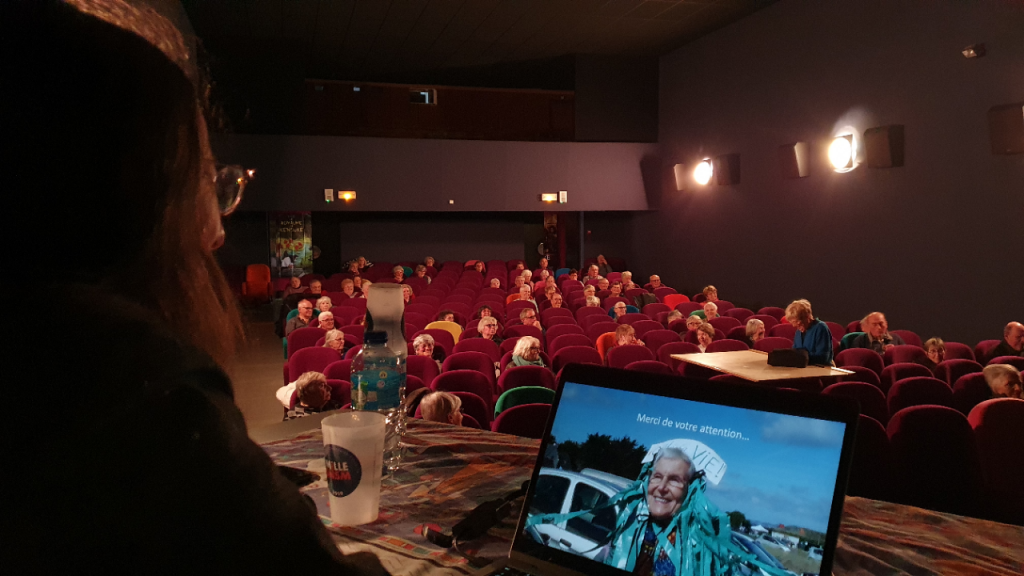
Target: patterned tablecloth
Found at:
x=447, y=471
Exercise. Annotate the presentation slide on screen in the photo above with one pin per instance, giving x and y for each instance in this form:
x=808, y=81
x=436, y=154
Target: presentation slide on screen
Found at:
x=659, y=485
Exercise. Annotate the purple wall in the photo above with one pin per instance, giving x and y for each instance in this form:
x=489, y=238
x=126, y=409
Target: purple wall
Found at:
x=391, y=174
x=936, y=244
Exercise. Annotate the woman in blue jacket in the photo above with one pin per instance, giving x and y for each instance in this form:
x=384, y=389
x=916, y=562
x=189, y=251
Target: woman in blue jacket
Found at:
x=811, y=334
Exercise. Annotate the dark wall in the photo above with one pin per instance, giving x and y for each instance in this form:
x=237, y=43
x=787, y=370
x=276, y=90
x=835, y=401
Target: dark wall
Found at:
x=245, y=242
x=392, y=174
x=608, y=233
x=616, y=98
x=935, y=244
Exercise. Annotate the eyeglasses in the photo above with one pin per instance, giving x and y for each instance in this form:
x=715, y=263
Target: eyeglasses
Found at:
x=231, y=182
x=528, y=317
x=534, y=349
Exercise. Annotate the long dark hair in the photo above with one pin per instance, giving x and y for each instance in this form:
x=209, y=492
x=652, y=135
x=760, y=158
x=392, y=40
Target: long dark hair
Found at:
x=105, y=139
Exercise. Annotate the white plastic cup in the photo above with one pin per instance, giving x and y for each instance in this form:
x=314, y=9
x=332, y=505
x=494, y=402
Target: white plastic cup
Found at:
x=354, y=456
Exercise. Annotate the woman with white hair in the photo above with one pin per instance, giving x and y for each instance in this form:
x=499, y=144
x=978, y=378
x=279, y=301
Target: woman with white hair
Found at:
x=526, y=353
x=754, y=331
x=811, y=335
x=398, y=272
x=423, y=345
x=335, y=340
x=421, y=272
x=324, y=303
x=487, y=328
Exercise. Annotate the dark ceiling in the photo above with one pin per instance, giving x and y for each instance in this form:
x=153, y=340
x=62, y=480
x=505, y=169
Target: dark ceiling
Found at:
x=527, y=42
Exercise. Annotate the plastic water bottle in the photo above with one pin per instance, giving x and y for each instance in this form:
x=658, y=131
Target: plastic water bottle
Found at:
x=378, y=385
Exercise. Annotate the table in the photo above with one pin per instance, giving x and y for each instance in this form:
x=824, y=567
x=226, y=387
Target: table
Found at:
x=449, y=470
x=753, y=365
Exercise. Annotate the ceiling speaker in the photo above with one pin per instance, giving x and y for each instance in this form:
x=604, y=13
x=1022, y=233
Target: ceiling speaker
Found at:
x=794, y=160
x=883, y=146
x=727, y=169
x=1006, y=128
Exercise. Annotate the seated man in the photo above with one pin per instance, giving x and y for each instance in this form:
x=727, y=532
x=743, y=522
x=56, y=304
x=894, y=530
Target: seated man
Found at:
x=655, y=281
x=294, y=287
x=593, y=273
x=495, y=283
x=603, y=284
x=520, y=281
x=556, y=300
x=625, y=335
x=618, y=310
x=1013, y=341
x=876, y=334
x=302, y=319
x=446, y=316
x=312, y=395
x=529, y=318
x=1003, y=380
x=442, y=407
x=316, y=289
x=603, y=267
x=348, y=288
x=615, y=288
x=325, y=320
x=526, y=294
x=673, y=316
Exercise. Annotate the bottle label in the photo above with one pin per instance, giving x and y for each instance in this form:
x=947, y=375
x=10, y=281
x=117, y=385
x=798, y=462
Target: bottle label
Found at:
x=378, y=389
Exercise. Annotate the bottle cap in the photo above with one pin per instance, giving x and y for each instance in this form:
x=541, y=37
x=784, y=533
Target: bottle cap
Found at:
x=375, y=337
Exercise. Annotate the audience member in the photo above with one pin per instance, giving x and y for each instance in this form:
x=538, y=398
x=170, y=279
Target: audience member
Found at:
x=655, y=281
x=353, y=268
x=446, y=316
x=527, y=276
x=103, y=104
x=876, y=334
x=618, y=310
x=529, y=318
x=324, y=303
x=556, y=300
x=335, y=340
x=673, y=316
x=312, y=395
x=574, y=274
x=693, y=323
x=429, y=261
x=935, y=353
x=526, y=294
x=811, y=335
x=300, y=320
x=710, y=293
x=593, y=302
x=364, y=264
x=520, y=266
x=711, y=311
x=484, y=311
x=316, y=288
x=589, y=291
x=1012, y=343
x=543, y=264
x=603, y=284
x=398, y=273
x=1003, y=380
x=593, y=273
x=526, y=353
x=603, y=268
x=421, y=272
x=519, y=282
x=627, y=281
x=294, y=287
x=625, y=335
x=423, y=345
x=479, y=267
x=324, y=320
x=549, y=291
x=495, y=283
x=705, y=335
x=487, y=328
x=348, y=288
x=442, y=407
x=407, y=295
x=615, y=288
x=754, y=331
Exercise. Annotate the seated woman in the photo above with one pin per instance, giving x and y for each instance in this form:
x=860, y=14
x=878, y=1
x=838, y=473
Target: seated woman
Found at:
x=364, y=264
x=446, y=316
x=615, y=288
x=294, y=287
x=442, y=407
x=526, y=353
x=353, y=268
x=495, y=283
x=1003, y=380
x=335, y=340
x=705, y=336
x=398, y=273
x=429, y=261
x=589, y=291
x=407, y=295
x=549, y=291
x=348, y=288
x=625, y=335
x=487, y=328
x=312, y=395
x=935, y=352
x=811, y=335
x=324, y=304
x=755, y=331
x=710, y=293
x=423, y=345
x=479, y=267
x=693, y=322
x=593, y=302
x=421, y=272
x=673, y=316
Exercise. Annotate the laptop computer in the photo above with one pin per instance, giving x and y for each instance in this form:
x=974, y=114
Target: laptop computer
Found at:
x=642, y=473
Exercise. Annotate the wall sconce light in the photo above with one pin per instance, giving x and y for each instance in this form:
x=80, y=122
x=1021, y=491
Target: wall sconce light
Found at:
x=703, y=172
x=841, y=153
x=347, y=195
x=549, y=197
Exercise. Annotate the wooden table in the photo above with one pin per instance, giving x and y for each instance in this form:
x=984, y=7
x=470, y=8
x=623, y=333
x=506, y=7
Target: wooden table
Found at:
x=753, y=365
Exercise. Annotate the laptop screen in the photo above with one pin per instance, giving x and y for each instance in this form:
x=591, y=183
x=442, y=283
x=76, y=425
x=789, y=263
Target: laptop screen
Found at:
x=658, y=485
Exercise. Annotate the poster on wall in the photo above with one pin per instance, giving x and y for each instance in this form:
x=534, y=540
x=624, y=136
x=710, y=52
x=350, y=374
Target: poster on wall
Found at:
x=291, y=244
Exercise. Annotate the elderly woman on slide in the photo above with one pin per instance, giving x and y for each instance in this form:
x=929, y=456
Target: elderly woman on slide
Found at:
x=666, y=524
x=811, y=335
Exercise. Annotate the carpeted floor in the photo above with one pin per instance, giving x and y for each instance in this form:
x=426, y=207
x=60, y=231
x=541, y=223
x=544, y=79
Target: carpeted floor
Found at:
x=257, y=374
